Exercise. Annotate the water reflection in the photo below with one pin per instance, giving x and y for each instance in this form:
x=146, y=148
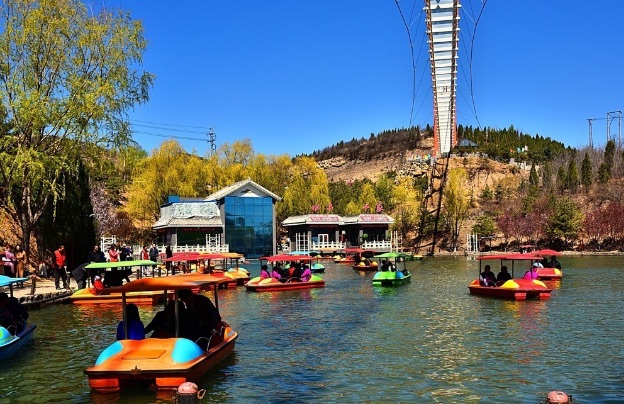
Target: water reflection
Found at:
x=427, y=341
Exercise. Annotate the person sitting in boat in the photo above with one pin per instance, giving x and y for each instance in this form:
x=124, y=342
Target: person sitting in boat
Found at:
x=554, y=263
x=295, y=271
x=384, y=265
x=275, y=273
x=6, y=317
x=503, y=275
x=531, y=273
x=357, y=259
x=135, y=327
x=487, y=277
x=163, y=323
x=264, y=272
x=202, y=318
x=391, y=267
x=367, y=262
x=307, y=273
x=98, y=285
x=545, y=263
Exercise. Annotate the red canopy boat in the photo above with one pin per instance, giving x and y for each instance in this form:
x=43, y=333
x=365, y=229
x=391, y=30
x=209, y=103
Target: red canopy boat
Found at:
x=552, y=267
x=515, y=289
x=273, y=284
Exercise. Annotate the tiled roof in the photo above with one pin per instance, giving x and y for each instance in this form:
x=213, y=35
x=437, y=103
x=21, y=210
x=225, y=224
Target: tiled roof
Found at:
x=194, y=221
x=223, y=192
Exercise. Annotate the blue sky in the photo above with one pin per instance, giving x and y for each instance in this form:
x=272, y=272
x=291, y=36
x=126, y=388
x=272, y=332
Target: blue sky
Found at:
x=297, y=76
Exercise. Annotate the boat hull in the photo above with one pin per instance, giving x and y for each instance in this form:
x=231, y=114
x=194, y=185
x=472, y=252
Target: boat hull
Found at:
x=149, y=361
x=366, y=267
x=515, y=289
x=273, y=285
x=388, y=278
x=11, y=345
x=549, y=274
x=88, y=296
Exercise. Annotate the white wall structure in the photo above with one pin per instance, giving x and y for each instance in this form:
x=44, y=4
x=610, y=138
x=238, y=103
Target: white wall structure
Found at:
x=442, y=17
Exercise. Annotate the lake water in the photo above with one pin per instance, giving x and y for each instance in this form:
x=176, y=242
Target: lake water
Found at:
x=429, y=341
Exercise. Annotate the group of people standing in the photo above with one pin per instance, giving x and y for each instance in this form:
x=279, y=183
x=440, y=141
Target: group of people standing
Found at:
x=14, y=262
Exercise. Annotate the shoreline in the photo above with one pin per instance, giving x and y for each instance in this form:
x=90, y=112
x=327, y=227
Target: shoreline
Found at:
x=563, y=253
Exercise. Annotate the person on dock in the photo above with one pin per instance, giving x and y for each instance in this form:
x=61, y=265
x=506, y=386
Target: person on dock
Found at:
x=59, y=267
x=20, y=263
x=136, y=330
x=113, y=254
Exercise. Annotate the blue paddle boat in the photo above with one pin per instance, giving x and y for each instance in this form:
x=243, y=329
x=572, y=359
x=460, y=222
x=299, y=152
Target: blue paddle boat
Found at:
x=12, y=339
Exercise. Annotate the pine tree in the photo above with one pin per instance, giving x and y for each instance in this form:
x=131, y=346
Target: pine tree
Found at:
x=586, y=172
x=572, y=177
x=533, y=177
x=561, y=180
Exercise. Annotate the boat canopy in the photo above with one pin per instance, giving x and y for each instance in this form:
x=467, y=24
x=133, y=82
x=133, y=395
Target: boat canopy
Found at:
x=516, y=256
x=7, y=281
x=285, y=257
x=547, y=253
x=195, y=257
x=174, y=282
x=119, y=264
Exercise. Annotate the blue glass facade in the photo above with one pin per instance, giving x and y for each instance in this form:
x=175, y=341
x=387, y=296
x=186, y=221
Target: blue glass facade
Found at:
x=249, y=225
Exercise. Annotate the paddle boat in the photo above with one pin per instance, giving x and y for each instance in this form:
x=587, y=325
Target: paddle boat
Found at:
x=368, y=263
x=90, y=295
x=271, y=284
x=515, y=289
x=205, y=263
x=391, y=275
x=347, y=256
x=234, y=271
x=13, y=339
x=164, y=363
x=316, y=268
x=552, y=268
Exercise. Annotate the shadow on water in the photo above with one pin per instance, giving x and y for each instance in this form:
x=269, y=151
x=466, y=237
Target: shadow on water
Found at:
x=427, y=341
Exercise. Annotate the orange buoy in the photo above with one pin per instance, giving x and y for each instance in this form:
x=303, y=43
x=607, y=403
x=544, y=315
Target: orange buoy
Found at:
x=558, y=397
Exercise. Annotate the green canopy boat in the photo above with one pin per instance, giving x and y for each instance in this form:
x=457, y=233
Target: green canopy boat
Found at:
x=389, y=274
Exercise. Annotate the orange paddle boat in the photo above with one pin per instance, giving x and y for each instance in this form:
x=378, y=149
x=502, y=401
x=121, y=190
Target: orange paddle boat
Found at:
x=165, y=363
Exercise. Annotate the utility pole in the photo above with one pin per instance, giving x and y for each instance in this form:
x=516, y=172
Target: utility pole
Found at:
x=212, y=138
x=610, y=117
x=591, y=143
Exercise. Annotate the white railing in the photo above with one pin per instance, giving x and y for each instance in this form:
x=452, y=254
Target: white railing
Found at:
x=377, y=245
x=327, y=245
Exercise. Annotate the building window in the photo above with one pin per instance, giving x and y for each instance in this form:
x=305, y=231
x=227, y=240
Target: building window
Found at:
x=249, y=225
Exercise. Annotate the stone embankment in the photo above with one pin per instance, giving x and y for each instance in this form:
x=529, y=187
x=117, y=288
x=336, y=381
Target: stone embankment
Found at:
x=44, y=293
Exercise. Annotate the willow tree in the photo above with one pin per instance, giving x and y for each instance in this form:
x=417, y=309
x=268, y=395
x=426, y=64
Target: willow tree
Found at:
x=68, y=76
x=307, y=189
x=169, y=170
x=456, y=202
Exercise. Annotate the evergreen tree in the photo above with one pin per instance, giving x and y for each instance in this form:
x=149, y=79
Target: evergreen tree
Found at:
x=586, y=172
x=603, y=173
x=533, y=177
x=547, y=176
x=609, y=154
x=561, y=180
x=572, y=177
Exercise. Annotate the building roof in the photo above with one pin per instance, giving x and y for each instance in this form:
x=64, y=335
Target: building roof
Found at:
x=313, y=219
x=193, y=221
x=242, y=188
x=369, y=218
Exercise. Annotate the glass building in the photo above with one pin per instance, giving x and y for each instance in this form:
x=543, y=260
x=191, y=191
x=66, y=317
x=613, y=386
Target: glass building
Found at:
x=249, y=225
x=238, y=218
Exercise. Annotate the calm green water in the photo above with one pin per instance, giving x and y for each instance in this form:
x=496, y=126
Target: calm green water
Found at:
x=429, y=341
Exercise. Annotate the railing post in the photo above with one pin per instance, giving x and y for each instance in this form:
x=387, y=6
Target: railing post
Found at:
x=33, y=284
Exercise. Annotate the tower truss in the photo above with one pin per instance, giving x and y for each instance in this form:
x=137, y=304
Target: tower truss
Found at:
x=442, y=18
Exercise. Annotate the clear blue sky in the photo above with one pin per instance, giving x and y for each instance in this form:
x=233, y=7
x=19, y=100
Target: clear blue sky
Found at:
x=299, y=75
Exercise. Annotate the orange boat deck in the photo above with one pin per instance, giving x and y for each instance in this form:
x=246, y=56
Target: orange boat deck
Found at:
x=526, y=289
x=273, y=285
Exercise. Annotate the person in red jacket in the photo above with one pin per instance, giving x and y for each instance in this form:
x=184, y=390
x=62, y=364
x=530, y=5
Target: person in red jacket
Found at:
x=59, y=264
